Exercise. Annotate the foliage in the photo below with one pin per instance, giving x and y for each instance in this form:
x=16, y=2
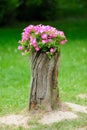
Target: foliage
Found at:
x=33, y=2
x=29, y=10
x=73, y=8
x=41, y=38
x=37, y=10
x=7, y=10
x=47, y=10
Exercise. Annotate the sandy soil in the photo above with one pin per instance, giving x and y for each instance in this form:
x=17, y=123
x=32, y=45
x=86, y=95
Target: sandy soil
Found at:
x=47, y=118
x=77, y=108
x=57, y=116
x=17, y=120
x=82, y=96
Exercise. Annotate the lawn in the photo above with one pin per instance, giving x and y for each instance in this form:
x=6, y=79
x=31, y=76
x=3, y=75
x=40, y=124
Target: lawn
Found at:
x=15, y=70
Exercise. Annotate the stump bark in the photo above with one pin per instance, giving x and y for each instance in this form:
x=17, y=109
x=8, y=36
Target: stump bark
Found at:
x=44, y=92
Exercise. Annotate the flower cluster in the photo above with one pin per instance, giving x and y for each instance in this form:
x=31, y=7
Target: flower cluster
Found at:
x=41, y=38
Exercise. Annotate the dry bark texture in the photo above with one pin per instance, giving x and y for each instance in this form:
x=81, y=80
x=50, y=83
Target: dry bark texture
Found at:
x=44, y=91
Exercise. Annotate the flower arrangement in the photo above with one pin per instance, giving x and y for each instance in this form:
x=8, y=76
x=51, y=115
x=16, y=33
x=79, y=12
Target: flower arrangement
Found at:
x=41, y=38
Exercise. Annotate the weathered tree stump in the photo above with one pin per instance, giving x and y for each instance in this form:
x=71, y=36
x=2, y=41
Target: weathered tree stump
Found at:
x=44, y=92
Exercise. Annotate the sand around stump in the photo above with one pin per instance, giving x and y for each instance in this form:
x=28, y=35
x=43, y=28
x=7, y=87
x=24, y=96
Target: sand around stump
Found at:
x=18, y=120
x=57, y=116
x=76, y=107
x=46, y=118
x=82, y=96
x=84, y=128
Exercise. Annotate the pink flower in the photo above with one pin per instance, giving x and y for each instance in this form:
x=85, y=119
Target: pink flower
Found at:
x=44, y=41
x=37, y=48
x=41, y=31
x=62, y=42
x=34, y=36
x=24, y=36
x=34, y=45
x=31, y=38
x=51, y=35
x=61, y=33
x=51, y=50
x=44, y=36
x=32, y=41
x=20, y=48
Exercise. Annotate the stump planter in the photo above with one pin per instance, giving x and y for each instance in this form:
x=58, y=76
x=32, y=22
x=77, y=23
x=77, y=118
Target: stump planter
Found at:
x=44, y=92
x=43, y=43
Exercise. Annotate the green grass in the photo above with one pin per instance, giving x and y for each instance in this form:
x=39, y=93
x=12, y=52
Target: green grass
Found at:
x=15, y=71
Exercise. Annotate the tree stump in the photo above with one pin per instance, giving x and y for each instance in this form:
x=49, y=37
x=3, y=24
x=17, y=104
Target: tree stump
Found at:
x=44, y=92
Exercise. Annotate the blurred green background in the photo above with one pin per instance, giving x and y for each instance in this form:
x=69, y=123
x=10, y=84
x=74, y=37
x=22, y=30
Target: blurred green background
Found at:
x=12, y=11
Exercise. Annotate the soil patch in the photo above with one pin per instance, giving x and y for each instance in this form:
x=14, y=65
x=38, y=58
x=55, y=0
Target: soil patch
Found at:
x=77, y=108
x=82, y=96
x=45, y=118
x=84, y=128
x=57, y=116
x=17, y=120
